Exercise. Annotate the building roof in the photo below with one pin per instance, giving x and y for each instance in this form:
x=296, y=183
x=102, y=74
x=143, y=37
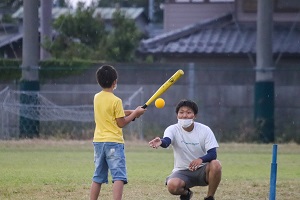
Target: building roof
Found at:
x=6, y=39
x=105, y=13
x=9, y=33
x=221, y=35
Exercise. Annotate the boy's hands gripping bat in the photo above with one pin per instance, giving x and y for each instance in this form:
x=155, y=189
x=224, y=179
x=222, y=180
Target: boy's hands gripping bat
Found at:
x=164, y=87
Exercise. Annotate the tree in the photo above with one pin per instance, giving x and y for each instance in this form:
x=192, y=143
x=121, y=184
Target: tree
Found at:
x=82, y=36
x=122, y=42
x=79, y=35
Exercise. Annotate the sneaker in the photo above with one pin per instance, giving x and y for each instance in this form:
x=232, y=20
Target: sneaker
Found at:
x=209, y=198
x=188, y=196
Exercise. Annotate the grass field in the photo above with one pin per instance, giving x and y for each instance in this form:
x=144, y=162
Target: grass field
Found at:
x=47, y=169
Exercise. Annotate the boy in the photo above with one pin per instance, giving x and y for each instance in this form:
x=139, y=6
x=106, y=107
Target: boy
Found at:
x=108, y=141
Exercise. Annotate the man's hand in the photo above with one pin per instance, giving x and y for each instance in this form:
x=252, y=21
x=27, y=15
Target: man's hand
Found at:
x=195, y=164
x=155, y=143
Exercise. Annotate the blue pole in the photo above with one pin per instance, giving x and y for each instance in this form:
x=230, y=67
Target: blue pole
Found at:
x=273, y=175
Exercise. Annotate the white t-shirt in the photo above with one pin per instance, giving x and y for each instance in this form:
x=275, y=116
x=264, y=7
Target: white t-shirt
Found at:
x=188, y=146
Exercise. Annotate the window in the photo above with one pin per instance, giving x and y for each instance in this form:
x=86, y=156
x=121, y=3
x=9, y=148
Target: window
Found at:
x=279, y=5
x=286, y=5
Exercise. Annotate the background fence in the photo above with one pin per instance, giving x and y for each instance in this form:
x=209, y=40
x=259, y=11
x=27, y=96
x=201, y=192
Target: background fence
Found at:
x=57, y=114
x=225, y=96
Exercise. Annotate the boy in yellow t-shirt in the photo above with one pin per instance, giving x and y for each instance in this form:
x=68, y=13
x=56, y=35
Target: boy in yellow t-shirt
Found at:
x=108, y=141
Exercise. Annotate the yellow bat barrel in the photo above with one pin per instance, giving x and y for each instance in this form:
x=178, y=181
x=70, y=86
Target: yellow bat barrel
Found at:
x=165, y=86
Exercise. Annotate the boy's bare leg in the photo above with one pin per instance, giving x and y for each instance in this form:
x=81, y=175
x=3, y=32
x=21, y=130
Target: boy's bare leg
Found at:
x=118, y=190
x=95, y=190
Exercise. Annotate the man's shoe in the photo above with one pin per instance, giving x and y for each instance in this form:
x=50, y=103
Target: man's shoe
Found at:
x=209, y=198
x=188, y=196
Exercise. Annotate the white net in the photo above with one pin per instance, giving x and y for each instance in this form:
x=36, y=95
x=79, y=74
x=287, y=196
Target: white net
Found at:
x=38, y=107
x=56, y=113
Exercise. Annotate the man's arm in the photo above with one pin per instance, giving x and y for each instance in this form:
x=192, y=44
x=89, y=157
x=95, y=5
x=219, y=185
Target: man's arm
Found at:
x=165, y=142
x=211, y=155
x=156, y=142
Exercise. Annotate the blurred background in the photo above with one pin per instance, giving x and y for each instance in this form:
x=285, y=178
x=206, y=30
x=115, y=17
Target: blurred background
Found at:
x=241, y=60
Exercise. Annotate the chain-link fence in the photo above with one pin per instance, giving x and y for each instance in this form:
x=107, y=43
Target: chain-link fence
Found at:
x=225, y=97
x=56, y=114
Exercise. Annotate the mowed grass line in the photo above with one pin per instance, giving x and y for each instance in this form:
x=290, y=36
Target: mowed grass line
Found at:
x=48, y=169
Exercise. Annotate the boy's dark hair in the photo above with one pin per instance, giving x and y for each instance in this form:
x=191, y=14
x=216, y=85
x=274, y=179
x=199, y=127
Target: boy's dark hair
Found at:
x=106, y=75
x=188, y=103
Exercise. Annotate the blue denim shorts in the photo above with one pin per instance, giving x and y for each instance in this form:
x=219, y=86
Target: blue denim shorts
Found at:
x=109, y=156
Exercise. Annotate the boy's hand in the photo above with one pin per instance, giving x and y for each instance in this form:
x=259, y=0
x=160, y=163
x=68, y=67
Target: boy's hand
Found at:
x=139, y=111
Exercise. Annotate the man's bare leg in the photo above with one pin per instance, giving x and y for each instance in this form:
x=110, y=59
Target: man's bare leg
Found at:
x=213, y=176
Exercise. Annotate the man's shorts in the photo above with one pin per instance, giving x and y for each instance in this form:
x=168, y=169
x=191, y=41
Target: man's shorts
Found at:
x=109, y=156
x=191, y=178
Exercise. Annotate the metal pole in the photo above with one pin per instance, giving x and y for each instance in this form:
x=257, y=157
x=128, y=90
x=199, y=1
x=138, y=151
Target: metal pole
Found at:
x=151, y=10
x=264, y=86
x=30, y=75
x=46, y=30
x=30, y=49
x=191, y=81
x=273, y=175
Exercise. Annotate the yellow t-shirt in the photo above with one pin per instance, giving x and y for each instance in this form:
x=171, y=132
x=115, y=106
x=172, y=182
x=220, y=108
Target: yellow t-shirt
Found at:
x=107, y=107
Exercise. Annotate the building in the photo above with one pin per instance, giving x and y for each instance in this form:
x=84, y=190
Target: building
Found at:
x=222, y=32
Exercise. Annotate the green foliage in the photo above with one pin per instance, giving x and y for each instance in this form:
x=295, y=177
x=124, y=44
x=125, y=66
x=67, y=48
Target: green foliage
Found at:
x=50, y=69
x=124, y=39
x=83, y=36
x=80, y=36
x=149, y=59
x=10, y=69
x=6, y=18
x=82, y=26
x=64, y=48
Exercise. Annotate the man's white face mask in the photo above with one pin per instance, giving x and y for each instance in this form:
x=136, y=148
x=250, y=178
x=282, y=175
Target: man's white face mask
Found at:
x=116, y=86
x=184, y=123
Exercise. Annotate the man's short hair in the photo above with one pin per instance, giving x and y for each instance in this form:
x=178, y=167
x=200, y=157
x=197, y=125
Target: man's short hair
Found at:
x=188, y=103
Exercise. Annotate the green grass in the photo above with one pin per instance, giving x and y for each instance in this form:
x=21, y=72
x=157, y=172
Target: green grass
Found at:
x=47, y=169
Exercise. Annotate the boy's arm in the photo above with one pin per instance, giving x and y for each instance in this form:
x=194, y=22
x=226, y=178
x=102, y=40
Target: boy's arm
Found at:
x=123, y=121
x=128, y=112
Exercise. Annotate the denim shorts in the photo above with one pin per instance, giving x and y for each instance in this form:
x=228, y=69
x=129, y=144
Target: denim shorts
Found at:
x=109, y=156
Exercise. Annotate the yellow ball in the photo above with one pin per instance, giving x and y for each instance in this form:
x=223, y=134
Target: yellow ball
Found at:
x=159, y=103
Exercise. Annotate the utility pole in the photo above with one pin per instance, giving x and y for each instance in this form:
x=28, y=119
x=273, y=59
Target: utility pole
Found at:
x=151, y=10
x=191, y=79
x=30, y=71
x=46, y=27
x=264, y=86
